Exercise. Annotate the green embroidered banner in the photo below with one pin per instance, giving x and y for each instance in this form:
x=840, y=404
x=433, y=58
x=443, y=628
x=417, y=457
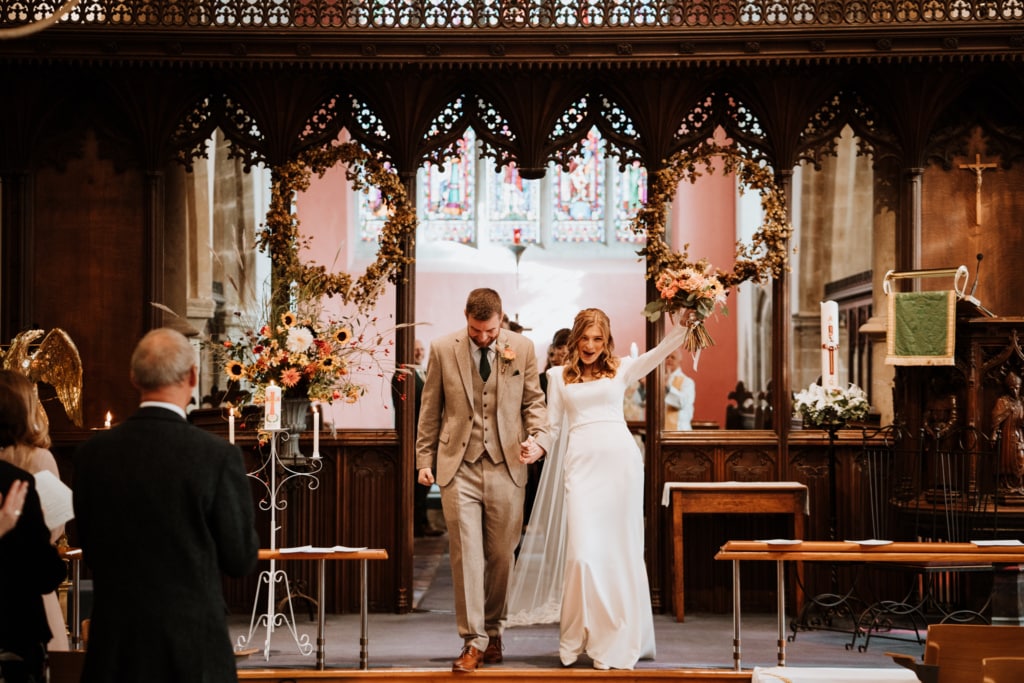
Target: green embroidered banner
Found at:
x=921, y=328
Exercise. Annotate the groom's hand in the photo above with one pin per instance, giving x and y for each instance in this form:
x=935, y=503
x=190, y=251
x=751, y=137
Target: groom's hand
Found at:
x=530, y=451
x=425, y=477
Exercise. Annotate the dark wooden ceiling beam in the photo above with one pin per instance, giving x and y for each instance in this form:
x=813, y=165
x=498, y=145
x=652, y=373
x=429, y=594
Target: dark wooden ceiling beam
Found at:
x=518, y=49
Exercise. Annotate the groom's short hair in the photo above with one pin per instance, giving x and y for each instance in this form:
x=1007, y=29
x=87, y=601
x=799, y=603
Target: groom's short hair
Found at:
x=482, y=304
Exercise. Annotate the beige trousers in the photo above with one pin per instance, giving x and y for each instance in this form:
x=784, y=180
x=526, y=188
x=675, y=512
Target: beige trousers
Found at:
x=483, y=509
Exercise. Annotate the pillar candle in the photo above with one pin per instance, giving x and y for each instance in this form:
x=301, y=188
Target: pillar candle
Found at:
x=231, y=424
x=829, y=345
x=316, y=430
x=272, y=407
x=517, y=235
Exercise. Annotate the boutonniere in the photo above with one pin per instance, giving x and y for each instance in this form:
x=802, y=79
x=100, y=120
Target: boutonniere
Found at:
x=507, y=356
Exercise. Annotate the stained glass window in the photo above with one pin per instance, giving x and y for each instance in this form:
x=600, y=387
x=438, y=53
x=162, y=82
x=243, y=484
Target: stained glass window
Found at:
x=512, y=207
x=579, y=194
x=448, y=193
x=566, y=206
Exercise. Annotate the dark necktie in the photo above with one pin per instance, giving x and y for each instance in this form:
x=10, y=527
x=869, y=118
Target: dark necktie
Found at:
x=485, y=365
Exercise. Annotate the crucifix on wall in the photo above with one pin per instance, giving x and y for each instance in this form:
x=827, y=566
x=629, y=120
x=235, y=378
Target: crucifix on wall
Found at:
x=978, y=168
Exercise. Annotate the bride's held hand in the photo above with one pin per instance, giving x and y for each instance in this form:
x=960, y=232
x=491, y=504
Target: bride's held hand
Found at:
x=529, y=451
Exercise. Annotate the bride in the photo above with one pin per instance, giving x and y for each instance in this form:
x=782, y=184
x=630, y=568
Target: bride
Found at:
x=582, y=560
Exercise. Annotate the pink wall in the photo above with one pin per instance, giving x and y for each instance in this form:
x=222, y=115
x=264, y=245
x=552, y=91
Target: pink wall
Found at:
x=324, y=214
x=704, y=217
x=547, y=293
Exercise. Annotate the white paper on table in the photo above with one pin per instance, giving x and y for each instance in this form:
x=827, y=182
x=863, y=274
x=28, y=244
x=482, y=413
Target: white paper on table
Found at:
x=297, y=549
x=871, y=542
x=315, y=549
x=1008, y=541
x=55, y=499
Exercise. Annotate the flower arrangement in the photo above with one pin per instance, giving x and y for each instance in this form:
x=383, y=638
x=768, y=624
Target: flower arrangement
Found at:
x=684, y=284
x=696, y=289
x=822, y=407
x=305, y=355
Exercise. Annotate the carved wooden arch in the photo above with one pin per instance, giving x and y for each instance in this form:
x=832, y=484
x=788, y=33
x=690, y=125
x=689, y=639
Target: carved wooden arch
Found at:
x=659, y=103
x=909, y=105
x=789, y=109
x=535, y=107
x=395, y=115
x=719, y=107
x=208, y=112
x=842, y=108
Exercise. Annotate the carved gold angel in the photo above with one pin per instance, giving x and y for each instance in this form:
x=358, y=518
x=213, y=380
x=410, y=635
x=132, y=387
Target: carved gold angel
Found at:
x=55, y=361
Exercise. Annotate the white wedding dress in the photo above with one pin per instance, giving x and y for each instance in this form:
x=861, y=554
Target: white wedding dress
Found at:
x=605, y=603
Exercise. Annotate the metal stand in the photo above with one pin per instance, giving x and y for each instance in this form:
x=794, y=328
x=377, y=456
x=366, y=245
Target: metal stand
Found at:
x=283, y=615
x=823, y=610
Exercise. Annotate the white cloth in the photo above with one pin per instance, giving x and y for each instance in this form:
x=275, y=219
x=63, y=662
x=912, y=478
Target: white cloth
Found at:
x=605, y=605
x=818, y=674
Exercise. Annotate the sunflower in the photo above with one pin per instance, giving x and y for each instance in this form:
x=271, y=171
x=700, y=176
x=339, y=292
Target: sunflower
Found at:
x=343, y=335
x=235, y=370
x=288, y=318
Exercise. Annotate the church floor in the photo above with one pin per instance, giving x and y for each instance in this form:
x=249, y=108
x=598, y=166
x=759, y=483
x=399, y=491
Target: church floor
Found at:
x=427, y=639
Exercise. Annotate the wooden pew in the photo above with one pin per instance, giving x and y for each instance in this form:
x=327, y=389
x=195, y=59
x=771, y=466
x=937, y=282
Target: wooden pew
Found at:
x=1002, y=669
x=955, y=653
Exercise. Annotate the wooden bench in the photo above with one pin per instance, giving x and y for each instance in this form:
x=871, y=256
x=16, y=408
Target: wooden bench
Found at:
x=1002, y=669
x=955, y=653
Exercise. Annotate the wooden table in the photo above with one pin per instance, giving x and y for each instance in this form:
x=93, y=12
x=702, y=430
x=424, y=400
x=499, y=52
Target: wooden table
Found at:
x=74, y=556
x=321, y=558
x=731, y=497
x=847, y=551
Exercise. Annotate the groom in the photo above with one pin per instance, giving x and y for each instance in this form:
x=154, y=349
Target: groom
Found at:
x=482, y=420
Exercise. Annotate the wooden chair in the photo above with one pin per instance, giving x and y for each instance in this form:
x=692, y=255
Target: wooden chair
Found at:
x=955, y=653
x=1002, y=669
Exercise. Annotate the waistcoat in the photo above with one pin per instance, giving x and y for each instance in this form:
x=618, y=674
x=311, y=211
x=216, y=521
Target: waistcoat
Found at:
x=485, y=402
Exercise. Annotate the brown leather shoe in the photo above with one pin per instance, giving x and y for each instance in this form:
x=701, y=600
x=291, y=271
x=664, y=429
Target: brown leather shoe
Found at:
x=492, y=655
x=469, y=660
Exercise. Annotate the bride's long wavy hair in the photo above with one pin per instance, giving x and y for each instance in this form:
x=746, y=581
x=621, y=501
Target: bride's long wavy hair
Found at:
x=607, y=363
x=20, y=427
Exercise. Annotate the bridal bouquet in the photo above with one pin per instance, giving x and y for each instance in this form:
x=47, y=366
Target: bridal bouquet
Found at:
x=695, y=289
x=822, y=407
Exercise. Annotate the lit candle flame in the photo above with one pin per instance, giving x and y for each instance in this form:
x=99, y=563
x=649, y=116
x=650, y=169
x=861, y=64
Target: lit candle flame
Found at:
x=106, y=422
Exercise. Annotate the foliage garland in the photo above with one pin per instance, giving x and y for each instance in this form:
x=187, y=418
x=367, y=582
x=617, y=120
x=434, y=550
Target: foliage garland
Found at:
x=280, y=237
x=764, y=258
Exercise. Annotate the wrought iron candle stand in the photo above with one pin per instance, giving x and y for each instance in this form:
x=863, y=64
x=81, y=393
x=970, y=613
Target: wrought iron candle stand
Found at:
x=834, y=604
x=277, y=470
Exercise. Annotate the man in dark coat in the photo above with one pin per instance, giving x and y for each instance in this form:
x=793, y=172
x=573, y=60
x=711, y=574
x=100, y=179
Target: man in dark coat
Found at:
x=30, y=567
x=163, y=508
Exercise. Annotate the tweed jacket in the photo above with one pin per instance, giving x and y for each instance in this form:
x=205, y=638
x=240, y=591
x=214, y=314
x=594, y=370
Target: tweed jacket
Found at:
x=446, y=410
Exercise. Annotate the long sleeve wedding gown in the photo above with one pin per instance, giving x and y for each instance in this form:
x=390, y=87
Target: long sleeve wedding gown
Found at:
x=605, y=606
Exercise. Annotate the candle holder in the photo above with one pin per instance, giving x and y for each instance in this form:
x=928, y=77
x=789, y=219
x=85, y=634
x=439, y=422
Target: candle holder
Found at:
x=273, y=474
